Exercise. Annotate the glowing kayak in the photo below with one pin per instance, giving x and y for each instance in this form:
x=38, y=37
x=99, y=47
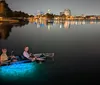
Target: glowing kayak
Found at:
x=22, y=59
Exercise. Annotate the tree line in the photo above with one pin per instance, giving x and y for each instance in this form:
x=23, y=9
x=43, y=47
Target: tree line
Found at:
x=20, y=14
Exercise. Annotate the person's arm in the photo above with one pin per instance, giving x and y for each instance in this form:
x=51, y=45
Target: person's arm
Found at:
x=1, y=59
x=30, y=54
x=26, y=55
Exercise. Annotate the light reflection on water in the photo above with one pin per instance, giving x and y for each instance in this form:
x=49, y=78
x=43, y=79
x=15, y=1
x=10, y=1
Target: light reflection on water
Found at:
x=17, y=71
x=6, y=29
x=63, y=24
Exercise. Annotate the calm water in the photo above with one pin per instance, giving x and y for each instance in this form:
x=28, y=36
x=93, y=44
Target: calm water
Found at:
x=76, y=45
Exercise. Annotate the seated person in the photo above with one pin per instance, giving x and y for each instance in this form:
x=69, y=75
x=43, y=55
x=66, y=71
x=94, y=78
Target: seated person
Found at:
x=4, y=58
x=30, y=56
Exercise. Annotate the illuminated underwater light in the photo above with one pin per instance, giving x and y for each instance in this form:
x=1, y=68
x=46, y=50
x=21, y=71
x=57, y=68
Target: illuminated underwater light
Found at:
x=17, y=71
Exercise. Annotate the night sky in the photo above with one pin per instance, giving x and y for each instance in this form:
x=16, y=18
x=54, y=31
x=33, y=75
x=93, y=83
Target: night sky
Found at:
x=77, y=7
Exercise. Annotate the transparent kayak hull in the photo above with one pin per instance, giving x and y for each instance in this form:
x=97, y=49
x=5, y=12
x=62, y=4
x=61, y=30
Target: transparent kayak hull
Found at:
x=22, y=59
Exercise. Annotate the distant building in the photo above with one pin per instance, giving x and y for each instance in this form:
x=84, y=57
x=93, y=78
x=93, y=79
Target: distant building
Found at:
x=49, y=11
x=5, y=11
x=2, y=9
x=61, y=13
x=83, y=15
x=39, y=12
x=67, y=12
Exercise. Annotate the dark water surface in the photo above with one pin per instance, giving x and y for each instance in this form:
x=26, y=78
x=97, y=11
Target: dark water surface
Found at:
x=76, y=46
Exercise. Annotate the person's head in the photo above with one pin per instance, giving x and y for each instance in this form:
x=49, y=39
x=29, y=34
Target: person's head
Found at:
x=26, y=49
x=4, y=50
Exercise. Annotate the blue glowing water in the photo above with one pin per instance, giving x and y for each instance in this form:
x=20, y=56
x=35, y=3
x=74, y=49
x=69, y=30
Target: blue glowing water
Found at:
x=17, y=71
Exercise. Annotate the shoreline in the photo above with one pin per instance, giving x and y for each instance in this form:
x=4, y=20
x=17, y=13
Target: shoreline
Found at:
x=11, y=20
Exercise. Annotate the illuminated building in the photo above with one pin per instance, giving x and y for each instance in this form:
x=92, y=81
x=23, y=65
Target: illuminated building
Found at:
x=67, y=12
x=61, y=13
x=49, y=11
x=38, y=12
x=5, y=11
